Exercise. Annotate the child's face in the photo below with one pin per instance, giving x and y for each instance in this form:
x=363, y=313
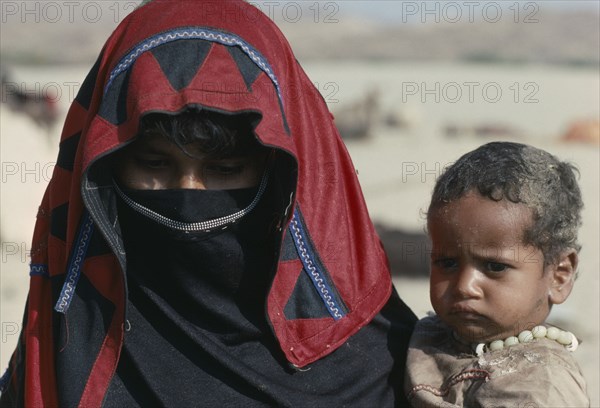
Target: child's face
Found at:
x=154, y=163
x=485, y=283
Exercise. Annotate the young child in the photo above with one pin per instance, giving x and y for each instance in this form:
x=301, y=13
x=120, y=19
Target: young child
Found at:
x=503, y=223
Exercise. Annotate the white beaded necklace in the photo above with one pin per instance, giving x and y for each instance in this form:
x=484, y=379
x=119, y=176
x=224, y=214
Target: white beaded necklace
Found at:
x=563, y=337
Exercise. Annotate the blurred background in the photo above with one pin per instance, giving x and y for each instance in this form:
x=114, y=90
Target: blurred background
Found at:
x=413, y=85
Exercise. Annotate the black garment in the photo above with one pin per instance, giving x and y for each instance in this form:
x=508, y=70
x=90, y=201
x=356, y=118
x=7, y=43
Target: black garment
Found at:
x=210, y=370
x=189, y=267
x=199, y=336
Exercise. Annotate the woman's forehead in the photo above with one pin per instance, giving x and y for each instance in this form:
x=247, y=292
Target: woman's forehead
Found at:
x=153, y=141
x=158, y=143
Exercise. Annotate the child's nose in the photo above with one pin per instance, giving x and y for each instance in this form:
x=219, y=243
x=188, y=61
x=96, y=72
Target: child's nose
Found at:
x=467, y=283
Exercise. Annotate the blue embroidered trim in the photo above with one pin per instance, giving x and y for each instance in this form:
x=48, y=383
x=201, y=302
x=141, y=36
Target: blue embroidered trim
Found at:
x=318, y=279
x=195, y=33
x=74, y=270
x=38, y=270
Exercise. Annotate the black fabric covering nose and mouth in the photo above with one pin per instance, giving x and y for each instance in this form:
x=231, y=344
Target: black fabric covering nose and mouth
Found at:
x=175, y=260
x=189, y=292
x=193, y=205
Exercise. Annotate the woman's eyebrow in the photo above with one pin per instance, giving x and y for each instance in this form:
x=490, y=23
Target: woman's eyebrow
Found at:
x=148, y=148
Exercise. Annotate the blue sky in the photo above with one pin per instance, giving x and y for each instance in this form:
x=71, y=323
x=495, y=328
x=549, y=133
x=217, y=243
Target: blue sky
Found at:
x=404, y=11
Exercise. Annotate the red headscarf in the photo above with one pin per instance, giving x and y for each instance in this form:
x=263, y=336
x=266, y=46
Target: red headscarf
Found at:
x=154, y=62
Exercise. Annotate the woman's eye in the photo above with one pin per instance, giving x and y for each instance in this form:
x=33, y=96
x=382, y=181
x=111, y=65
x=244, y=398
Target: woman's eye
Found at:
x=496, y=267
x=224, y=170
x=153, y=163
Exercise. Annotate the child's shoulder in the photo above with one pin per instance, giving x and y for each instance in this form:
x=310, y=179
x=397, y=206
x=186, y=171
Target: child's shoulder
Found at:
x=542, y=372
x=543, y=355
x=441, y=369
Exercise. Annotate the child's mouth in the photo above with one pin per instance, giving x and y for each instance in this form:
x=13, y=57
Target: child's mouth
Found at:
x=464, y=311
x=466, y=315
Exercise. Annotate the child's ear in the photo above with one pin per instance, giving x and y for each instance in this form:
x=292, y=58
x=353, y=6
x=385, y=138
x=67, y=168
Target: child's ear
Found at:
x=562, y=277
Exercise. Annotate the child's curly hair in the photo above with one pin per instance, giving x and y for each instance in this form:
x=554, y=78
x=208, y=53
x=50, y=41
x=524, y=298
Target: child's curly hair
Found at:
x=521, y=174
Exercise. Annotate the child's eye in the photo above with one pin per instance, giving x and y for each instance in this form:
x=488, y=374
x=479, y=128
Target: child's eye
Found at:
x=496, y=267
x=446, y=263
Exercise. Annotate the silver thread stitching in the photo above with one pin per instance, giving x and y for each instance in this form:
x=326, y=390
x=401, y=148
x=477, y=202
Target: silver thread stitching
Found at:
x=204, y=226
x=316, y=276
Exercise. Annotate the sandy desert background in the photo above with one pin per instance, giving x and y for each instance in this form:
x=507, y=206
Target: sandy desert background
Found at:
x=410, y=94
